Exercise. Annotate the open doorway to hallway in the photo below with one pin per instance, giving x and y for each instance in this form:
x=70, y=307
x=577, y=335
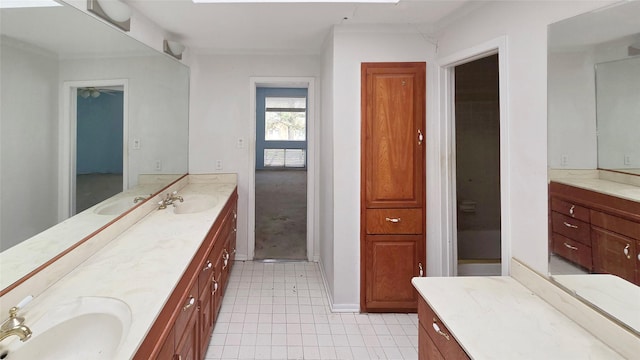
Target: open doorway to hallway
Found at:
x=477, y=169
x=281, y=174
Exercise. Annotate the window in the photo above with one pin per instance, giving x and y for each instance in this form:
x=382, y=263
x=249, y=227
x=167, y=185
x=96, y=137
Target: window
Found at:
x=285, y=119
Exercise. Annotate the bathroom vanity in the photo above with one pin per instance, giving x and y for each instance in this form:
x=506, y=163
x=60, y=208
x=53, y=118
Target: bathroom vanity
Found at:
x=155, y=289
x=595, y=223
x=522, y=316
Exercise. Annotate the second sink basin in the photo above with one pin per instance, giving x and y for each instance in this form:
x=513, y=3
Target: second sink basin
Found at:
x=194, y=203
x=86, y=328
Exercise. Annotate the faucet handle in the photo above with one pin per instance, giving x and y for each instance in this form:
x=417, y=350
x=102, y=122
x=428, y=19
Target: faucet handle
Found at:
x=15, y=320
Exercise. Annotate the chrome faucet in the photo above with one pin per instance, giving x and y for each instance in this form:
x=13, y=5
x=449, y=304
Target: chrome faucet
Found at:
x=14, y=325
x=170, y=199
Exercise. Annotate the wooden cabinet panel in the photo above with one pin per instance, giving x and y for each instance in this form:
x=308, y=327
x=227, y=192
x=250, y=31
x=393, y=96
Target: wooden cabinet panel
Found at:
x=393, y=106
x=391, y=263
x=394, y=221
x=610, y=255
x=572, y=228
x=427, y=350
x=167, y=350
x=616, y=224
x=571, y=250
x=187, y=346
x=443, y=339
x=188, y=309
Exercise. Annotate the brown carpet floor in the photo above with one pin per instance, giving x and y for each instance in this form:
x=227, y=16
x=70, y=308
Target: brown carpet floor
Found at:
x=281, y=214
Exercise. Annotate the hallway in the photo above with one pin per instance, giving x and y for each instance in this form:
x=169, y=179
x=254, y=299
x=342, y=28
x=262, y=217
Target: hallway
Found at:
x=280, y=311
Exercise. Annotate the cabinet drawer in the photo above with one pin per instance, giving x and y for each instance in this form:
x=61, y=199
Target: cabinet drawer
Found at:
x=570, y=209
x=573, y=229
x=205, y=276
x=187, y=309
x=616, y=224
x=573, y=251
x=394, y=221
x=427, y=350
x=444, y=341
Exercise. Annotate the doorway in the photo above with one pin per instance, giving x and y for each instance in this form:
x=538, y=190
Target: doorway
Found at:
x=477, y=167
x=99, y=145
x=281, y=174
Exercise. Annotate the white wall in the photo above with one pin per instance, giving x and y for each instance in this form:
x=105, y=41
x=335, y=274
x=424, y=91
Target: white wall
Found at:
x=220, y=115
x=524, y=23
x=325, y=183
x=158, y=107
x=28, y=154
x=351, y=47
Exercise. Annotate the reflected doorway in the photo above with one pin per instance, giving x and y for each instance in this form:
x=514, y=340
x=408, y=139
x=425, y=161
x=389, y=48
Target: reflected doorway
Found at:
x=281, y=174
x=99, y=165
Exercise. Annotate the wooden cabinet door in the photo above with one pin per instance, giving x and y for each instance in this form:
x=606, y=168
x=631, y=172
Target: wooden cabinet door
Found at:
x=187, y=347
x=427, y=350
x=393, y=109
x=391, y=262
x=610, y=256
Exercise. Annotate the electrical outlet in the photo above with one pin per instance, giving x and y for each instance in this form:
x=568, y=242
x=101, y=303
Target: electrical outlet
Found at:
x=158, y=165
x=240, y=143
x=564, y=160
x=627, y=159
x=218, y=164
x=136, y=144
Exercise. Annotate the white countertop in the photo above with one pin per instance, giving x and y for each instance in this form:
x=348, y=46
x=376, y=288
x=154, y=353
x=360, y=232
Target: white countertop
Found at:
x=621, y=190
x=141, y=266
x=498, y=318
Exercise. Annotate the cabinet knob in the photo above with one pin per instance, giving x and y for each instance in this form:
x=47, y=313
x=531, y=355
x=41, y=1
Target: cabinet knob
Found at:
x=215, y=286
x=420, y=137
x=626, y=251
x=436, y=328
x=571, y=210
x=421, y=270
x=393, y=220
x=189, y=303
x=208, y=266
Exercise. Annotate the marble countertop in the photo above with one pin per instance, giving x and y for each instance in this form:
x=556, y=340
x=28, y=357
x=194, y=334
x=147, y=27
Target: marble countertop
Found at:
x=498, y=318
x=617, y=297
x=141, y=266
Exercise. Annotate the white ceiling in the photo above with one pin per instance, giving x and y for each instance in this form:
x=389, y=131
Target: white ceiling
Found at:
x=280, y=27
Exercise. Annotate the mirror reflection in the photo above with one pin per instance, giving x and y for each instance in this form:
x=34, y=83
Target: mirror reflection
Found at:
x=593, y=158
x=92, y=122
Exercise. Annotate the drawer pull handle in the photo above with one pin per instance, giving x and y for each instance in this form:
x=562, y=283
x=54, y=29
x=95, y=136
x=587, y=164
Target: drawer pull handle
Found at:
x=393, y=220
x=215, y=287
x=420, y=137
x=570, y=247
x=189, y=304
x=208, y=266
x=571, y=210
x=421, y=269
x=225, y=257
x=626, y=251
x=438, y=331
x=570, y=225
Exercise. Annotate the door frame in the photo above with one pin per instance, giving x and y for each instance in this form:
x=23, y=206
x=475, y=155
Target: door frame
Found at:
x=312, y=160
x=449, y=242
x=67, y=145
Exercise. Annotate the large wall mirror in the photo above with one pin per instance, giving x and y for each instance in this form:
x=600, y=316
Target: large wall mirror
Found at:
x=594, y=129
x=91, y=119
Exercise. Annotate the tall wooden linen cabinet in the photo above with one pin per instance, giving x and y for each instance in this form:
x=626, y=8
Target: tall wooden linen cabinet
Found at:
x=392, y=205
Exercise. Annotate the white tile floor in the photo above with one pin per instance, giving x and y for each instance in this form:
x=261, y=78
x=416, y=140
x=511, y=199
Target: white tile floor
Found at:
x=280, y=311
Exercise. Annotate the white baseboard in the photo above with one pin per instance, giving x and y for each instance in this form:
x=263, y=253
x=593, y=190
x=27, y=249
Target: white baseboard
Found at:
x=335, y=308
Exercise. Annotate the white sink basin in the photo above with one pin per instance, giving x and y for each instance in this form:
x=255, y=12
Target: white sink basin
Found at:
x=194, y=203
x=87, y=328
x=115, y=207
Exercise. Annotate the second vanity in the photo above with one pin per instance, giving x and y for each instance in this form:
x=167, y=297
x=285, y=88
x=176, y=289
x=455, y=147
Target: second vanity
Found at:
x=154, y=290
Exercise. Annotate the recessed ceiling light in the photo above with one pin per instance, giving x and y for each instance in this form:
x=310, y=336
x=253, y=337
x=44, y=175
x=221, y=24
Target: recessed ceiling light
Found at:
x=11, y=4
x=291, y=1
